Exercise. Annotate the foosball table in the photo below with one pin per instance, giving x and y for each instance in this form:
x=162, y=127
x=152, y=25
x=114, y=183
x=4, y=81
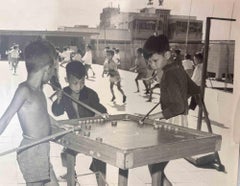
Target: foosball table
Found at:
x=124, y=142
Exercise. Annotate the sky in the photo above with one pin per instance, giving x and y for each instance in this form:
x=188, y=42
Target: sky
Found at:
x=50, y=14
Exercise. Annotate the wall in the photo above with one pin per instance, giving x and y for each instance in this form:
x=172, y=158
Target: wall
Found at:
x=220, y=106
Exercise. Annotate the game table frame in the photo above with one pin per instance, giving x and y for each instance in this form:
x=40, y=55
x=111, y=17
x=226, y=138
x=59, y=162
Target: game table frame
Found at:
x=126, y=159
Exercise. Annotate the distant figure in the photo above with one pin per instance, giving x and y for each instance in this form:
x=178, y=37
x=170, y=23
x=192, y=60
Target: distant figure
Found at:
x=87, y=60
x=177, y=57
x=115, y=78
x=30, y=104
x=77, y=56
x=197, y=76
x=197, y=73
x=8, y=53
x=188, y=64
x=15, y=55
x=116, y=57
x=66, y=55
x=105, y=63
x=141, y=68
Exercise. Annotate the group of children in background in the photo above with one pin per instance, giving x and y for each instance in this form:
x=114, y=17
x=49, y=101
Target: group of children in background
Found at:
x=30, y=103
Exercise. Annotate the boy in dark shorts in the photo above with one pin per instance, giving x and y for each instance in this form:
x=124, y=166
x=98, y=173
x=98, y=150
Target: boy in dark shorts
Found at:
x=175, y=87
x=30, y=104
x=76, y=73
x=141, y=68
x=114, y=76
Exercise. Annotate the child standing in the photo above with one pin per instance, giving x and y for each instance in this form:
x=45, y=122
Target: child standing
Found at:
x=174, y=86
x=188, y=65
x=30, y=104
x=197, y=76
x=87, y=60
x=76, y=79
x=115, y=78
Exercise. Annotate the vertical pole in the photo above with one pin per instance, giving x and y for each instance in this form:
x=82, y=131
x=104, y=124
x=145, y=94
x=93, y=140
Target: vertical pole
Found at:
x=204, y=70
x=188, y=23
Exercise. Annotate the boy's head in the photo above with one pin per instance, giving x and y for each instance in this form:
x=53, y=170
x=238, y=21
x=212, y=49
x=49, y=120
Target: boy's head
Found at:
x=89, y=47
x=110, y=54
x=76, y=72
x=187, y=56
x=139, y=51
x=116, y=50
x=198, y=57
x=156, y=51
x=39, y=54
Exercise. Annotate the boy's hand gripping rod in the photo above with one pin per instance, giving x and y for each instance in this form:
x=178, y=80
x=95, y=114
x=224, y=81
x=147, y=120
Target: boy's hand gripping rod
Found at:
x=142, y=120
x=45, y=139
x=79, y=102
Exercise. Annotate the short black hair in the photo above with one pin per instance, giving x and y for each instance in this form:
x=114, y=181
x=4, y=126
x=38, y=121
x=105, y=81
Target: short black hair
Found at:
x=177, y=51
x=140, y=50
x=199, y=56
x=39, y=54
x=76, y=69
x=155, y=44
x=110, y=52
x=188, y=56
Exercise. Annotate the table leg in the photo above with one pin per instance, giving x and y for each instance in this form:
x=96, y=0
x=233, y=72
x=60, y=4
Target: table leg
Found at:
x=101, y=169
x=70, y=169
x=122, y=177
x=157, y=174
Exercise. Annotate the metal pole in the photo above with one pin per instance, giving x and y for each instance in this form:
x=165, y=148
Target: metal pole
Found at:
x=45, y=139
x=204, y=70
x=188, y=23
x=205, y=63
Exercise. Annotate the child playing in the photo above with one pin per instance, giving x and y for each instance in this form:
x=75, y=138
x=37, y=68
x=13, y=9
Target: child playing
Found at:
x=15, y=55
x=76, y=79
x=105, y=63
x=77, y=56
x=114, y=75
x=174, y=86
x=87, y=60
x=197, y=76
x=141, y=68
x=30, y=104
x=188, y=65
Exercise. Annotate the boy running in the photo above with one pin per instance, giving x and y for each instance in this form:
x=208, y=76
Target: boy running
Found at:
x=115, y=78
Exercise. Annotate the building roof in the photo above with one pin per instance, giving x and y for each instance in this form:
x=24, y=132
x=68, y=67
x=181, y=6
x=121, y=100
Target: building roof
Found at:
x=113, y=34
x=59, y=33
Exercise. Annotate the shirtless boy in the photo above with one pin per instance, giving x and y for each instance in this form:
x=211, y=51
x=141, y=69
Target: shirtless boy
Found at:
x=30, y=104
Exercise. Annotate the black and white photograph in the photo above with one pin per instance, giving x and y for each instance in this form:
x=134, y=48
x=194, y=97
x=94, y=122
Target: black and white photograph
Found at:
x=120, y=93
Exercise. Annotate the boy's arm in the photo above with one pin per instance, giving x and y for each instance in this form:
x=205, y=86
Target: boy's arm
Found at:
x=177, y=104
x=158, y=115
x=18, y=100
x=95, y=103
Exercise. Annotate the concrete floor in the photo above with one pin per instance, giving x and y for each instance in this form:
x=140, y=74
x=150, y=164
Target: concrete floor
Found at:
x=180, y=172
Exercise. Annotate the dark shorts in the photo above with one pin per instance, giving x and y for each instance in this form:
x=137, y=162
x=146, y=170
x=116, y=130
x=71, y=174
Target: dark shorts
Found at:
x=34, y=162
x=141, y=76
